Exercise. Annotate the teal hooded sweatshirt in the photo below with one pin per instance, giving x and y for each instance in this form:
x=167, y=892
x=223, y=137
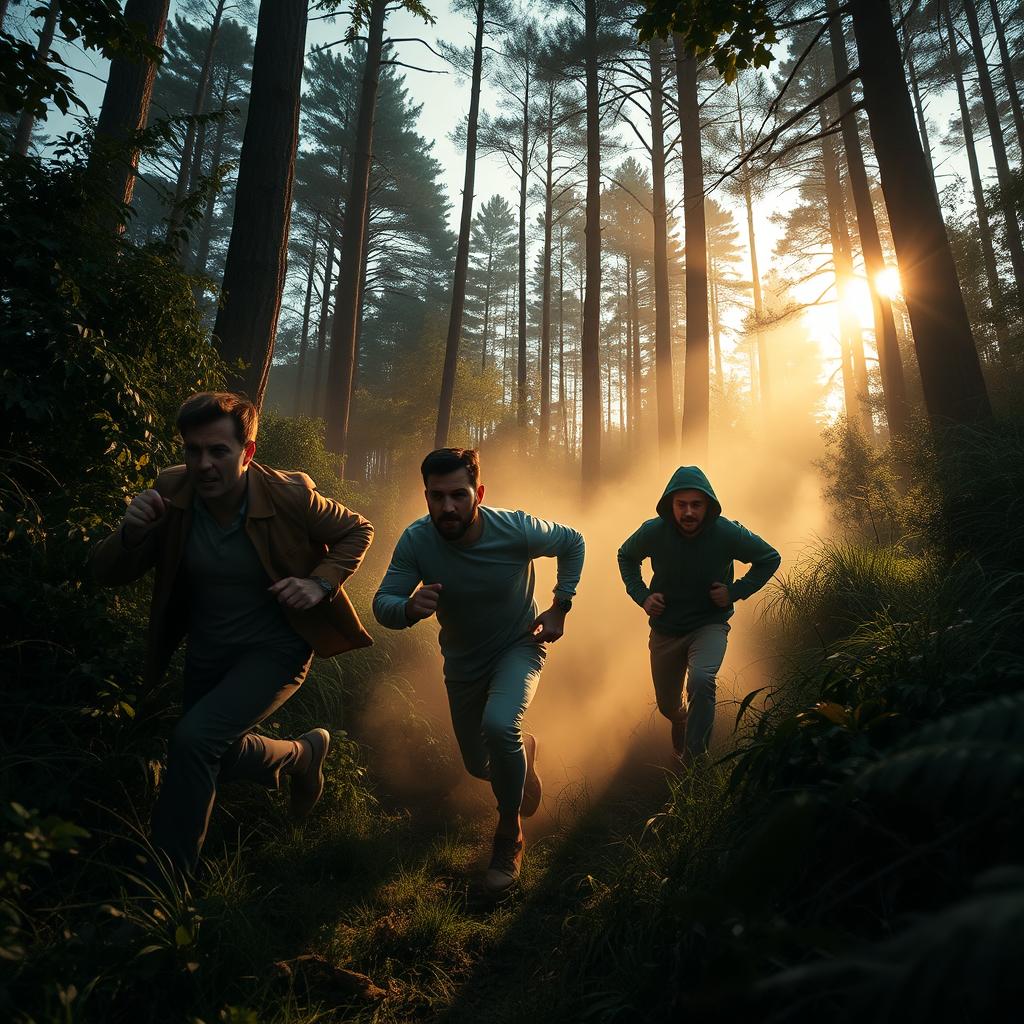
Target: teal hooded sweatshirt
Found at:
x=685, y=567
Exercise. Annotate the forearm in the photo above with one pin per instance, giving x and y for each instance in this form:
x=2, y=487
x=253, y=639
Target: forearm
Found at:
x=345, y=556
x=390, y=610
x=761, y=570
x=629, y=570
x=115, y=563
x=570, y=565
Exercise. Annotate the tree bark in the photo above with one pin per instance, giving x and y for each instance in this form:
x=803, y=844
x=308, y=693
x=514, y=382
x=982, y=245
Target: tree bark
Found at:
x=922, y=123
x=185, y=166
x=301, y=372
x=954, y=388
x=995, y=130
x=344, y=330
x=591, y=335
x=451, y=349
x=855, y=382
x=696, y=388
x=125, y=110
x=206, y=228
x=981, y=207
x=763, y=376
x=662, y=319
x=23, y=134
x=1008, y=75
x=890, y=361
x=545, y=314
x=523, y=181
x=257, y=258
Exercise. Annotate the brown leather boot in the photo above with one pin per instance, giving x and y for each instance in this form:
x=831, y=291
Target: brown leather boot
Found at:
x=307, y=787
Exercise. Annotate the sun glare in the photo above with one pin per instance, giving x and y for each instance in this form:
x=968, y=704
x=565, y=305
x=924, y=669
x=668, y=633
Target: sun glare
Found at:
x=887, y=282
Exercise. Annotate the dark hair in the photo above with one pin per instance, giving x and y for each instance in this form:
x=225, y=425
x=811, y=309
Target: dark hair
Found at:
x=209, y=406
x=450, y=460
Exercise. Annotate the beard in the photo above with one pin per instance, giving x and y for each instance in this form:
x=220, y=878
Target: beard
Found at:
x=452, y=526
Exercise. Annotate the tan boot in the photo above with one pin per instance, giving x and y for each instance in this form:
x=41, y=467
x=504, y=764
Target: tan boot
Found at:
x=506, y=862
x=307, y=787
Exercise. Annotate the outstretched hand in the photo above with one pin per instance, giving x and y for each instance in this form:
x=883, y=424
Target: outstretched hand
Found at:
x=548, y=626
x=423, y=603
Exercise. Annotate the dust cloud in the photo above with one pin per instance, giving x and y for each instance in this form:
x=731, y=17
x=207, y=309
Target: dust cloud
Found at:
x=595, y=706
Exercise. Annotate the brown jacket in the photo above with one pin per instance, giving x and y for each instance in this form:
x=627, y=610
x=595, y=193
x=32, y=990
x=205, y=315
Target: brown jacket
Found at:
x=295, y=530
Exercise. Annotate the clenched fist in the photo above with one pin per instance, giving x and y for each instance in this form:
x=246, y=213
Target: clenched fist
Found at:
x=719, y=595
x=143, y=514
x=298, y=594
x=654, y=605
x=423, y=603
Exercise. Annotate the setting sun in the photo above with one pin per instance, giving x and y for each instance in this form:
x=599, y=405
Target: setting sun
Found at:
x=887, y=282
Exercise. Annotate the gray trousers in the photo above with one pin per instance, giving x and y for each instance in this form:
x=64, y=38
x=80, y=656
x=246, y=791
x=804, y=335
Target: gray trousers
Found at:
x=695, y=657
x=223, y=700
x=487, y=716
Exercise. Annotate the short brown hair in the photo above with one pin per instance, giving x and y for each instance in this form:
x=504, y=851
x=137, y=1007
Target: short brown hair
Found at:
x=449, y=460
x=208, y=406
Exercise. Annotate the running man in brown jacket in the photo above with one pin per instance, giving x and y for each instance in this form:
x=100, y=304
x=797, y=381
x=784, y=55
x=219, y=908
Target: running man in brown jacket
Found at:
x=250, y=563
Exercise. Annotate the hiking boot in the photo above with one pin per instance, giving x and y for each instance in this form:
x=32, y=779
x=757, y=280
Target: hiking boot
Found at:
x=307, y=787
x=532, y=789
x=506, y=861
x=679, y=737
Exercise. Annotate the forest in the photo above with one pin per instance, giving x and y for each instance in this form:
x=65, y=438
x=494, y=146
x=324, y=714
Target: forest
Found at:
x=781, y=240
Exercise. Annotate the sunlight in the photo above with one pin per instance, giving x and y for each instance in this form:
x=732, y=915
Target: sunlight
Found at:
x=887, y=282
x=856, y=300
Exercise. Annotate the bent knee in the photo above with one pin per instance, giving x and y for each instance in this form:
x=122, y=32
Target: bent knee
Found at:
x=702, y=684
x=501, y=733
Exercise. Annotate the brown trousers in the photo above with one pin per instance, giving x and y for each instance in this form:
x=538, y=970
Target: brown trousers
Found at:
x=695, y=657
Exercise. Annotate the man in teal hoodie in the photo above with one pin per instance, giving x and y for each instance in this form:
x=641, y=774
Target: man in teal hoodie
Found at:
x=692, y=548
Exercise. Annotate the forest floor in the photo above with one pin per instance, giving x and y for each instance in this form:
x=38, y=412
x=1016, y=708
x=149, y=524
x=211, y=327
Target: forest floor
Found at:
x=376, y=910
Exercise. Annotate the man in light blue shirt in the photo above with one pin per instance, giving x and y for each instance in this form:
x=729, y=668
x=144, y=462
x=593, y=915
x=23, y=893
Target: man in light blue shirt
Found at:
x=472, y=566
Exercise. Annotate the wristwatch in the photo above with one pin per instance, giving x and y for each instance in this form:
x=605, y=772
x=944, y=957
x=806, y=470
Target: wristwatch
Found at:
x=325, y=585
x=563, y=603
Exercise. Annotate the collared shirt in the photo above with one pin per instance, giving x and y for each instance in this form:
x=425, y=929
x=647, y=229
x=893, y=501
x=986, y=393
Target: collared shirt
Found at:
x=230, y=606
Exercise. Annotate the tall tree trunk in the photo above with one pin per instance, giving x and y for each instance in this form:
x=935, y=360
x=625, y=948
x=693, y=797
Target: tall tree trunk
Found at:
x=561, y=336
x=318, y=394
x=716, y=326
x=995, y=130
x=185, y=166
x=922, y=122
x=890, y=361
x=851, y=345
x=523, y=182
x=344, y=330
x=954, y=388
x=591, y=338
x=451, y=349
x=1008, y=75
x=981, y=207
x=758, y=349
x=305, y=317
x=662, y=321
x=545, y=315
x=257, y=259
x=634, y=335
x=696, y=396
x=125, y=110
x=206, y=227
x=23, y=134
x=487, y=307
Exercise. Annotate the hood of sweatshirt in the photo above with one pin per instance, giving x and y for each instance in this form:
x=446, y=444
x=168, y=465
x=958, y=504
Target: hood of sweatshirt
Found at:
x=689, y=478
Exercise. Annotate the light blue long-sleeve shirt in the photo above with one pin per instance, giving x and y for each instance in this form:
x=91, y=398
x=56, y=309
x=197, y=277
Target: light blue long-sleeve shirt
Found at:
x=486, y=601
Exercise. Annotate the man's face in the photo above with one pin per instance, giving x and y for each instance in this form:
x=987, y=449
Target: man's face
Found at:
x=689, y=509
x=215, y=459
x=452, y=502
